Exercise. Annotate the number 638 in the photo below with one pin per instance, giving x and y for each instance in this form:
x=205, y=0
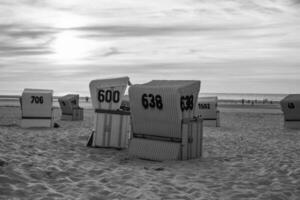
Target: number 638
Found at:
x=152, y=101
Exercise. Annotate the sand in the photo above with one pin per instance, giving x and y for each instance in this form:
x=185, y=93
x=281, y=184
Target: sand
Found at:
x=251, y=156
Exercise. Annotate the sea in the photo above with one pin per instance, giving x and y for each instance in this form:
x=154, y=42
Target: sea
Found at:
x=221, y=96
x=245, y=96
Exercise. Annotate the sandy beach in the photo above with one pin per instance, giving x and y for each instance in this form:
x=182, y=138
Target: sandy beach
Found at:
x=251, y=156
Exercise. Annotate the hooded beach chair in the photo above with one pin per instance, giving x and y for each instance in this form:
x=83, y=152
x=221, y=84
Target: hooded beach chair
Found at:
x=164, y=126
x=208, y=110
x=36, y=108
x=112, y=125
x=290, y=107
x=70, y=109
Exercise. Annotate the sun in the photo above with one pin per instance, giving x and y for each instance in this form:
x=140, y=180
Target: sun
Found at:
x=69, y=47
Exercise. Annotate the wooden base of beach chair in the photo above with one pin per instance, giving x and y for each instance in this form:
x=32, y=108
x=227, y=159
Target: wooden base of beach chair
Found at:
x=39, y=123
x=112, y=129
x=292, y=124
x=154, y=149
x=77, y=115
x=66, y=117
x=165, y=148
x=212, y=122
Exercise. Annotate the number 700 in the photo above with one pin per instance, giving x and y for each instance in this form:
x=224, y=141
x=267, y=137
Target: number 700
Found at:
x=37, y=99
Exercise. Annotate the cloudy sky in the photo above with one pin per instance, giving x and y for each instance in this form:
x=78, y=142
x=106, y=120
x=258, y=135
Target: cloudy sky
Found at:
x=249, y=46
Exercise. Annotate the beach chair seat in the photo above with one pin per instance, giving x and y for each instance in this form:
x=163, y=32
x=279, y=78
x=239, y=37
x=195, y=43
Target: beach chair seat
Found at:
x=164, y=126
x=290, y=107
x=70, y=109
x=36, y=108
x=208, y=110
x=112, y=125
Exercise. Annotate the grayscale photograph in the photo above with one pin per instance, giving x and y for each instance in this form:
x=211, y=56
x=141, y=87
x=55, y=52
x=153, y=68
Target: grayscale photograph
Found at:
x=150, y=100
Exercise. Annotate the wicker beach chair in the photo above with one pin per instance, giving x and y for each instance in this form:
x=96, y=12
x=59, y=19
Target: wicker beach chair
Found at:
x=290, y=107
x=36, y=108
x=112, y=125
x=70, y=109
x=164, y=126
x=208, y=110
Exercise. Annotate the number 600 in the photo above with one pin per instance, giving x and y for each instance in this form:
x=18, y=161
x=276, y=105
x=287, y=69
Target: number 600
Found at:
x=109, y=96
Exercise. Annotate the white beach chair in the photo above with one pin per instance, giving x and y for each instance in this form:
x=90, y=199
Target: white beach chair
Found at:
x=208, y=110
x=163, y=122
x=36, y=108
x=70, y=109
x=112, y=125
x=290, y=106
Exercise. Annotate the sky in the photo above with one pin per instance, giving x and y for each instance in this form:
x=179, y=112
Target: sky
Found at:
x=231, y=46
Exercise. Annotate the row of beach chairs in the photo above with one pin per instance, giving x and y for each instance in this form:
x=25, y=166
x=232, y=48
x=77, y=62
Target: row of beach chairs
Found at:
x=162, y=121
x=37, y=109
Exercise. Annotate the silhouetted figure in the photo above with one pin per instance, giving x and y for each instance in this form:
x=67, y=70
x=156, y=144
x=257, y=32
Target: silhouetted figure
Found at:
x=87, y=99
x=243, y=101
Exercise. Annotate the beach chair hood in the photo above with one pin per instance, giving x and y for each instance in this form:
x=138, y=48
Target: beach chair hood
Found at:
x=207, y=107
x=37, y=103
x=68, y=103
x=290, y=107
x=108, y=93
x=158, y=107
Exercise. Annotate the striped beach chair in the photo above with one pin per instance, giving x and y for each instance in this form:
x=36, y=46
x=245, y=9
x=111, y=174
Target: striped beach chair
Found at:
x=70, y=109
x=112, y=125
x=36, y=108
x=290, y=107
x=164, y=126
x=208, y=111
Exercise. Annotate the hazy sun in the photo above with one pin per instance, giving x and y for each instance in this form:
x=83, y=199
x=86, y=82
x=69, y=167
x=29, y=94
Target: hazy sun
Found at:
x=69, y=47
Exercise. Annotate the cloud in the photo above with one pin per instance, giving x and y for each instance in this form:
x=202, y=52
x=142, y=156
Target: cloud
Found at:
x=214, y=41
x=140, y=30
x=112, y=51
x=15, y=30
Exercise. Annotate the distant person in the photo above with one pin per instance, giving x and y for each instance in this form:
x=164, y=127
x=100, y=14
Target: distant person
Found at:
x=87, y=99
x=243, y=101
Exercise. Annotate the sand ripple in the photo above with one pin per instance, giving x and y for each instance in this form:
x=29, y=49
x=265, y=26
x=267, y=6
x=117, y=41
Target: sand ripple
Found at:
x=250, y=157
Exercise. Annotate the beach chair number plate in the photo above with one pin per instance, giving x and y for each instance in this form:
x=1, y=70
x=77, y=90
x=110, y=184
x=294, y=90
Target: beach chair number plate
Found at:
x=187, y=102
x=152, y=101
x=291, y=105
x=37, y=99
x=204, y=106
x=108, y=96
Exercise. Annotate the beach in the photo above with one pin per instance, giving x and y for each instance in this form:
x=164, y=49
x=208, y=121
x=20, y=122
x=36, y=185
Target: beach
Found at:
x=251, y=156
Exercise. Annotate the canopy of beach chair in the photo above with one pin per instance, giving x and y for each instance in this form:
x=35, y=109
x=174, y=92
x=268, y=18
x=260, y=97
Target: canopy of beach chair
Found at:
x=108, y=93
x=207, y=107
x=37, y=103
x=158, y=107
x=290, y=106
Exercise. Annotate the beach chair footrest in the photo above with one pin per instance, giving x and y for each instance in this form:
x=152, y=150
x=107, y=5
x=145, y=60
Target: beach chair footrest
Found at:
x=39, y=123
x=292, y=124
x=154, y=149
